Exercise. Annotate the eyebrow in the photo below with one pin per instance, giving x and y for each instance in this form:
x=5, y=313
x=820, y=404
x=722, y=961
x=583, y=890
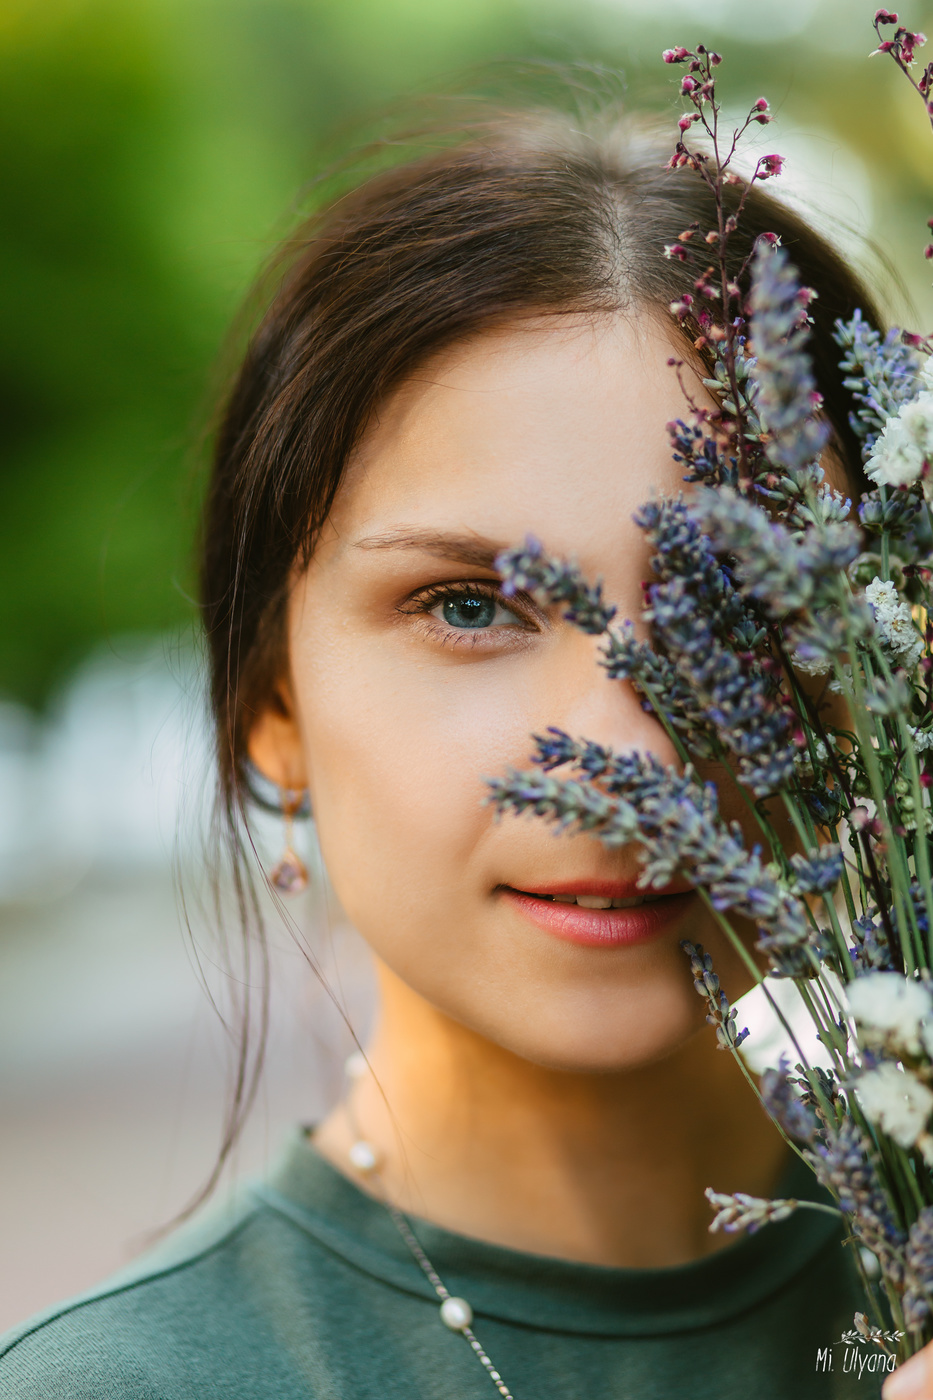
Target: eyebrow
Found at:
x=473, y=550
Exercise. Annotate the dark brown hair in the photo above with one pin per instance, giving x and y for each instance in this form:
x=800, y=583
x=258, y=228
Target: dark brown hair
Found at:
x=530, y=216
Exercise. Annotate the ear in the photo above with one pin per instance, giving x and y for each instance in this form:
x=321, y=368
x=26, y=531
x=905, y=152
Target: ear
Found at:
x=274, y=743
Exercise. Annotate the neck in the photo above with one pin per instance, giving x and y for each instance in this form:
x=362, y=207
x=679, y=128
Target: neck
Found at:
x=605, y=1168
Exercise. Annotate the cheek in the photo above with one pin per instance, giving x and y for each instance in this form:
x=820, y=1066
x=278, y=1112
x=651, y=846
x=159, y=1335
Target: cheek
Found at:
x=396, y=757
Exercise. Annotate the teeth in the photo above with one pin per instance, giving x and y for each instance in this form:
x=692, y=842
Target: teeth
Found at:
x=595, y=901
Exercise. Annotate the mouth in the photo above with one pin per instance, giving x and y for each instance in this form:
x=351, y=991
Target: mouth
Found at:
x=601, y=914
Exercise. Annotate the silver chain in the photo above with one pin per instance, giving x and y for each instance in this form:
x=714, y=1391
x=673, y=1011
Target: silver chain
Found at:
x=368, y=1163
x=408, y=1235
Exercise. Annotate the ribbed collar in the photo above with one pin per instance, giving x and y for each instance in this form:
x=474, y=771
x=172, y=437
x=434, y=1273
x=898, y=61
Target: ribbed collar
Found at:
x=550, y=1294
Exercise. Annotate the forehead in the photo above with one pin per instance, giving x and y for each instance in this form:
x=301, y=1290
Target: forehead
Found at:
x=554, y=426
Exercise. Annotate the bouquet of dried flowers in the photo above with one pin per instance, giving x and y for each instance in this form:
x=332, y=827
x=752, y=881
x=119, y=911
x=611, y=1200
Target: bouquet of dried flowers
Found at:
x=791, y=642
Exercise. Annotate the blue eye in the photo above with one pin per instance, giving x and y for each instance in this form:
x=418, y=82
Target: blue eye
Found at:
x=470, y=610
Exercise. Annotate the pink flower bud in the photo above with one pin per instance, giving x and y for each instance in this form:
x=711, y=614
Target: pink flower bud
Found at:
x=676, y=251
x=675, y=55
x=928, y=251
x=907, y=42
x=715, y=59
x=762, y=118
x=688, y=85
x=770, y=165
x=885, y=17
x=761, y=105
x=687, y=120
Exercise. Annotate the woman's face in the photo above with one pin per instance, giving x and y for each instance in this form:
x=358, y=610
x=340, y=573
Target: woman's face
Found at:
x=411, y=679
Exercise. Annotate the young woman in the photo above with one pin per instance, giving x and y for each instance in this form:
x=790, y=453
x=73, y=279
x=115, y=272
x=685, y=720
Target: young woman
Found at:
x=464, y=350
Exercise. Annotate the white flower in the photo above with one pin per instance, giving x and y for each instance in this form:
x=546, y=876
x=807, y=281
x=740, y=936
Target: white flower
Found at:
x=811, y=665
x=922, y=739
x=894, y=622
x=890, y=1008
x=896, y=1101
x=905, y=442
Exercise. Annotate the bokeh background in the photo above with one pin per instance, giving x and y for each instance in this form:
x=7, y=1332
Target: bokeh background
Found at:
x=151, y=154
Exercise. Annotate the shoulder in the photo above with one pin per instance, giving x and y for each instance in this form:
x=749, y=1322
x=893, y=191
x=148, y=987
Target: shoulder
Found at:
x=167, y=1328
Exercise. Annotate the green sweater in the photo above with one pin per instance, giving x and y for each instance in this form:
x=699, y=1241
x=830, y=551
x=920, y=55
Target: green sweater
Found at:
x=303, y=1290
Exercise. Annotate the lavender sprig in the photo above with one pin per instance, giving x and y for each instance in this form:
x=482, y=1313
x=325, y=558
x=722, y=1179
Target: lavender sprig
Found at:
x=881, y=374
x=529, y=570
x=787, y=395
x=843, y=1165
x=742, y=1212
x=721, y=1014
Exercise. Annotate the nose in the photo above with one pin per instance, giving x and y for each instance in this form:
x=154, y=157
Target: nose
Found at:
x=588, y=705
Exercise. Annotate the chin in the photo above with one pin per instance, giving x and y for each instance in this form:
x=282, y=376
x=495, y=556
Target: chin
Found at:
x=617, y=1035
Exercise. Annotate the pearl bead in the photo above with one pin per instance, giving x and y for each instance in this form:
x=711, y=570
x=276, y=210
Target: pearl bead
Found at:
x=355, y=1065
x=456, y=1314
x=364, y=1156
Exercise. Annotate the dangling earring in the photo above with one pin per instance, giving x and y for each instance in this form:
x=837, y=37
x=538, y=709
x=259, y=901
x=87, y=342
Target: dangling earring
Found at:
x=290, y=875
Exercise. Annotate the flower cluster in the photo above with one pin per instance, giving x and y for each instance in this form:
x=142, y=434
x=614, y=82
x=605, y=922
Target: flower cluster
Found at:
x=786, y=635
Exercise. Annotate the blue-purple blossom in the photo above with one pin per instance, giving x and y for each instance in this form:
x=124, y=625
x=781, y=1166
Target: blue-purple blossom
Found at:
x=870, y=951
x=818, y=872
x=721, y=1014
x=737, y=1211
x=893, y=517
x=701, y=621
x=702, y=455
x=787, y=397
x=881, y=374
x=843, y=1165
x=786, y=1105
x=530, y=570
x=918, y=1295
x=781, y=570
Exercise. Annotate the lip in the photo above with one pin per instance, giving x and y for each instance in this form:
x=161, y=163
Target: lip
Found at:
x=601, y=928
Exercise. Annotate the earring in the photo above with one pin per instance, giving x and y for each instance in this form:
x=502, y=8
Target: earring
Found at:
x=290, y=875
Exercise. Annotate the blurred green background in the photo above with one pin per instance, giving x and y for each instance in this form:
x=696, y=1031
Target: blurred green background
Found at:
x=150, y=152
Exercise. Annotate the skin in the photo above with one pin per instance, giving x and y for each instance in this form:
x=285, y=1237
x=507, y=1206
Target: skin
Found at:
x=556, y=1098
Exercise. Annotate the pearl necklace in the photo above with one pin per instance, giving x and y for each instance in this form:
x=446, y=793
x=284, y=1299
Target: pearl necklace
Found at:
x=455, y=1313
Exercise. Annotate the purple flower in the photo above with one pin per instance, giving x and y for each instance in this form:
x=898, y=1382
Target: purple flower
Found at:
x=786, y=385
x=919, y=1269
x=721, y=1014
x=844, y=1166
x=786, y=1105
x=678, y=55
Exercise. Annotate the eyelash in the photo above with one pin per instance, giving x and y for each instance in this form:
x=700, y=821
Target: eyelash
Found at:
x=422, y=604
